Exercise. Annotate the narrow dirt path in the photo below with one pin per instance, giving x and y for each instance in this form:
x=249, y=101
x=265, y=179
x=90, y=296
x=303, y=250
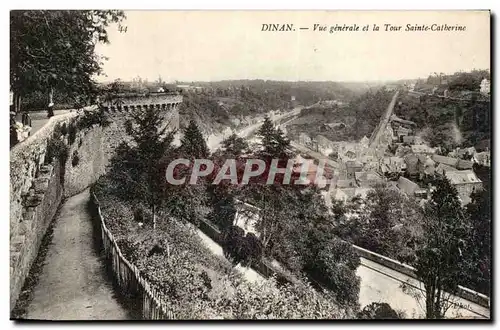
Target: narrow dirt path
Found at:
x=73, y=284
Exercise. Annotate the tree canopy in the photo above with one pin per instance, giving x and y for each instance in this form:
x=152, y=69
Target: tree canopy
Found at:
x=443, y=254
x=55, y=49
x=192, y=143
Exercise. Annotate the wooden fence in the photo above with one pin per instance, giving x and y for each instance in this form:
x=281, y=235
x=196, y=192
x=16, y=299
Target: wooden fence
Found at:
x=128, y=277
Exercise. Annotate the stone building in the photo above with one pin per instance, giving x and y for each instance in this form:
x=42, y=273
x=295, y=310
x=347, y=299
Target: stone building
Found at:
x=466, y=182
x=368, y=179
x=482, y=158
x=485, y=87
x=407, y=186
x=443, y=168
x=352, y=167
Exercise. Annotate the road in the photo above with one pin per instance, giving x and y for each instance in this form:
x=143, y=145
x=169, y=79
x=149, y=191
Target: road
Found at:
x=382, y=284
x=375, y=140
x=246, y=132
x=73, y=284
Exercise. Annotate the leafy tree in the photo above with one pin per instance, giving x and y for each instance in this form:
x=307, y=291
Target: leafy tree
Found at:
x=222, y=200
x=55, y=50
x=335, y=266
x=295, y=229
x=192, y=143
x=252, y=249
x=467, y=81
x=390, y=223
x=273, y=202
x=442, y=254
x=327, y=259
x=479, y=213
x=377, y=310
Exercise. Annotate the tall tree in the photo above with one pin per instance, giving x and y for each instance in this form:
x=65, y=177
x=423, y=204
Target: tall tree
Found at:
x=151, y=142
x=192, y=143
x=479, y=213
x=55, y=50
x=234, y=146
x=442, y=256
x=274, y=142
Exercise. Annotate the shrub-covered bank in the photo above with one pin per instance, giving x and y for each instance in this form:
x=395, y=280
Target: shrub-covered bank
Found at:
x=198, y=284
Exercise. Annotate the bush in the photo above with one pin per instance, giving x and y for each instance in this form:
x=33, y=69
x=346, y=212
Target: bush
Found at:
x=64, y=129
x=234, y=241
x=378, y=311
x=59, y=150
x=252, y=249
x=335, y=267
x=56, y=149
x=76, y=159
x=57, y=133
x=72, y=133
x=93, y=117
x=139, y=215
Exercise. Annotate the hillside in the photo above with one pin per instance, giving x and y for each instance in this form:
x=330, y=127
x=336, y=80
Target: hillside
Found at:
x=463, y=118
x=346, y=122
x=233, y=103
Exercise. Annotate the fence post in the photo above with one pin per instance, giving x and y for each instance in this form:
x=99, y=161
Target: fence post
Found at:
x=128, y=276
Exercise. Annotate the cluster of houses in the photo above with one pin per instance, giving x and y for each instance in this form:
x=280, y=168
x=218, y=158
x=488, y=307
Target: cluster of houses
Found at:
x=406, y=169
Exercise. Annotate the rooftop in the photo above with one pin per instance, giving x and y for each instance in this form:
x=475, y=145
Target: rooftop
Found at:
x=442, y=168
x=346, y=183
x=407, y=186
x=367, y=176
x=462, y=177
x=464, y=164
x=445, y=160
x=422, y=148
x=353, y=163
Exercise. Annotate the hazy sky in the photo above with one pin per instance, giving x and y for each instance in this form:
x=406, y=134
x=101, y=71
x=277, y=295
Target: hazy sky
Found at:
x=216, y=45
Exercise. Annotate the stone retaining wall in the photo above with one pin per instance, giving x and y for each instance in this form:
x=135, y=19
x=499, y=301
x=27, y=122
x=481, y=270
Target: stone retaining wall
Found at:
x=37, y=189
x=463, y=292
x=38, y=213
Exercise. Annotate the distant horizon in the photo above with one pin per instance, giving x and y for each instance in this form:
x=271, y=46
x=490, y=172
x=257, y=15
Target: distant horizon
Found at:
x=292, y=81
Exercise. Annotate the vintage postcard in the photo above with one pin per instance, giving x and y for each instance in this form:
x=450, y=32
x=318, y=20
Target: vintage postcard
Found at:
x=248, y=165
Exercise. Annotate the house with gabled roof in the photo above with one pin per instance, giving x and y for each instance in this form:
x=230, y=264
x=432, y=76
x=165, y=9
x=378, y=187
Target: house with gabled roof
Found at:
x=407, y=186
x=450, y=161
x=482, y=158
x=466, y=182
x=443, y=168
x=464, y=164
x=422, y=149
x=368, y=179
x=352, y=167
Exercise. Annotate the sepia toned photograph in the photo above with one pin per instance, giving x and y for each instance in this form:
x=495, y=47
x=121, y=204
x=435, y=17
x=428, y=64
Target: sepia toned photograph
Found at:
x=250, y=165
